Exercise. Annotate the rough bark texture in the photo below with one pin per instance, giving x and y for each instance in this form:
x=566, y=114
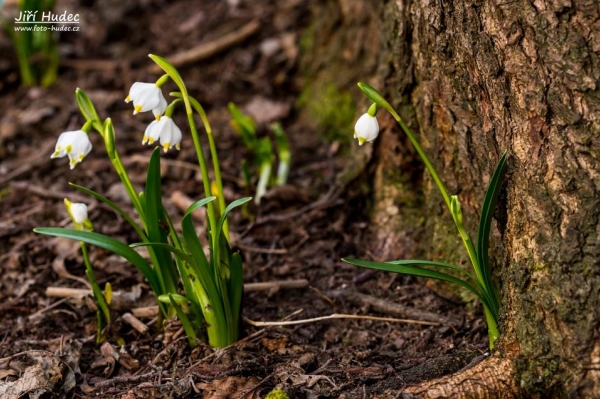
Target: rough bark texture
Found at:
x=478, y=77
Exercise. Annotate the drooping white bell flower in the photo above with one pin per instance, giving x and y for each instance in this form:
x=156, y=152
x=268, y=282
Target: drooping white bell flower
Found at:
x=366, y=129
x=152, y=132
x=164, y=130
x=147, y=97
x=79, y=215
x=76, y=144
x=170, y=135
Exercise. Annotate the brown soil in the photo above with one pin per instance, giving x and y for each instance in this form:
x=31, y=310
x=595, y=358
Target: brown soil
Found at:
x=300, y=232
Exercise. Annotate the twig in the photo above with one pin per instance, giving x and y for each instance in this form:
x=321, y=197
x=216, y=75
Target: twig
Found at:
x=125, y=379
x=145, y=312
x=391, y=308
x=269, y=285
x=273, y=251
x=120, y=300
x=135, y=323
x=336, y=316
x=210, y=48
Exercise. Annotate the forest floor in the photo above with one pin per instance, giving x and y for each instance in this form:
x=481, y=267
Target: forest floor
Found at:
x=299, y=232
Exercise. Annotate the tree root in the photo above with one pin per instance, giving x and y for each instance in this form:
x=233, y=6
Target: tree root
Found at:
x=493, y=378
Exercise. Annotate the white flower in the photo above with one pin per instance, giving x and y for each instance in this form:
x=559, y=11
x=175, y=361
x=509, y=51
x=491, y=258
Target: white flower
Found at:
x=76, y=144
x=366, y=129
x=152, y=132
x=146, y=97
x=164, y=130
x=79, y=214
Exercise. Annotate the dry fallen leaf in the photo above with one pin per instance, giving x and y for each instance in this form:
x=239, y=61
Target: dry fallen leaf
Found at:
x=230, y=387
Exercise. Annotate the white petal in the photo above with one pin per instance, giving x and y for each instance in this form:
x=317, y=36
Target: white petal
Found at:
x=150, y=132
x=162, y=105
x=366, y=128
x=145, y=96
x=170, y=135
x=79, y=212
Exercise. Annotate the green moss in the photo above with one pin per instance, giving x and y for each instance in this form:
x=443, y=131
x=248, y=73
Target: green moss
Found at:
x=330, y=108
x=277, y=393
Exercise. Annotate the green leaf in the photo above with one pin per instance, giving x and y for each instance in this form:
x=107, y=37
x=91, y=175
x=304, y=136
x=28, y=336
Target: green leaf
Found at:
x=114, y=207
x=110, y=244
x=198, y=204
x=169, y=70
x=419, y=272
x=190, y=237
x=229, y=208
x=246, y=125
x=235, y=289
x=283, y=153
x=412, y=262
x=204, y=284
x=86, y=106
x=185, y=257
x=155, y=221
x=185, y=322
x=485, y=223
x=374, y=96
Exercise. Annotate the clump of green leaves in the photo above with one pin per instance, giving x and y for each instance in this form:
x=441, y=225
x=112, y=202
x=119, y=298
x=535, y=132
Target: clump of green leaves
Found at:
x=37, y=49
x=480, y=283
x=209, y=304
x=262, y=152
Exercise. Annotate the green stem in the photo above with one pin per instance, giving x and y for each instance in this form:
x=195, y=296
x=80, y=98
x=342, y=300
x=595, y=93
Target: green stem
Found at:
x=493, y=332
x=215, y=159
x=423, y=156
x=212, y=219
x=89, y=271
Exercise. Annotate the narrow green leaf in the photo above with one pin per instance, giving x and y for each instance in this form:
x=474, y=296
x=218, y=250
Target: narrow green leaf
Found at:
x=235, y=289
x=168, y=247
x=229, y=208
x=485, y=223
x=111, y=245
x=416, y=271
x=283, y=153
x=412, y=262
x=185, y=322
x=198, y=204
x=205, y=286
x=374, y=96
x=155, y=221
x=114, y=207
x=86, y=106
x=169, y=70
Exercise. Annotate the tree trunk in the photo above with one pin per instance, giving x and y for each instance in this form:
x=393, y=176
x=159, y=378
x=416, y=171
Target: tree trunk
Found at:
x=473, y=78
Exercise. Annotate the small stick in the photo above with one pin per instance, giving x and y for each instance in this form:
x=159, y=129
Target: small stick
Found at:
x=390, y=308
x=273, y=251
x=270, y=285
x=135, y=323
x=210, y=48
x=120, y=300
x=146, y=312
x=337, y=316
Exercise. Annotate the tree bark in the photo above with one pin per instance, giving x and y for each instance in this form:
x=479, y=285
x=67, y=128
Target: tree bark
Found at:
x=476, y=77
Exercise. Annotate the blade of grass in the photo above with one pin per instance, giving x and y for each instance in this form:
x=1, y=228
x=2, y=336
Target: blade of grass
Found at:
x=485, y=222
